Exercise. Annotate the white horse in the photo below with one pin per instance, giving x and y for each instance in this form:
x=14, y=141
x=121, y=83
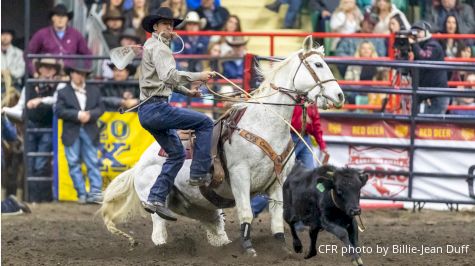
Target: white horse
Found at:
x=305, y=74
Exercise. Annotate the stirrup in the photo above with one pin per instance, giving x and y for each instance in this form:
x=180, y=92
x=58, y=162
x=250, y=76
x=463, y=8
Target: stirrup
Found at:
x=199, y=180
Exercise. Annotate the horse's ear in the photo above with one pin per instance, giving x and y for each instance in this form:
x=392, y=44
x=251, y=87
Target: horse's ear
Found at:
x=307, y=44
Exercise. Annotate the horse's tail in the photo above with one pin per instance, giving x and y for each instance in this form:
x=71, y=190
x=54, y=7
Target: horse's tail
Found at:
x=121, y=203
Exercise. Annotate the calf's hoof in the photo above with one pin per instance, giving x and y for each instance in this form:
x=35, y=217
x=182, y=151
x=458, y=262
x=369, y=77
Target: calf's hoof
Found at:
x=311, y=254
x=357, y=262
x=298, y=247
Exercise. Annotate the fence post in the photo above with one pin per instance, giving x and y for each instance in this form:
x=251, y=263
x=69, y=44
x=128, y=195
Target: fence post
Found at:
x=414, y=111
x=271, y=45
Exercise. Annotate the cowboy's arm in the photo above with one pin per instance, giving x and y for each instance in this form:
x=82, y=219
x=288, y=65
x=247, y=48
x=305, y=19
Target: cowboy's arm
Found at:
x=316, y=128
x=165, y=66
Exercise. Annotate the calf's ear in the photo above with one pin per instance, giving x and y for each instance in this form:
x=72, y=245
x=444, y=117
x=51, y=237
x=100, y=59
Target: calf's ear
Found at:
x=363, y=178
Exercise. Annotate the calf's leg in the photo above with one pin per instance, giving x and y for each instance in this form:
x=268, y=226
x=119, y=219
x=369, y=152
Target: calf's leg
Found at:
x=312, y=251
x=342, y=234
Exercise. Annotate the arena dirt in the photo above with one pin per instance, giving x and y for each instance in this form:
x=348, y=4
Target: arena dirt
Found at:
x=70, y=234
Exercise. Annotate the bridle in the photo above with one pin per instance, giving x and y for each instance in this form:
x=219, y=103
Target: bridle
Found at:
x=314, y=75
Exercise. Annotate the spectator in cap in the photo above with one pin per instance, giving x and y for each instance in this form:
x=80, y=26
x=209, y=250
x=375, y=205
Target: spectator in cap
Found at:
x=215, y=15
x=59, y=38
x=80, y=106
x=437, y=15
x=115, y=96
x=114, y=20
x=234, y=68
x=427, y=49
x=12, y=57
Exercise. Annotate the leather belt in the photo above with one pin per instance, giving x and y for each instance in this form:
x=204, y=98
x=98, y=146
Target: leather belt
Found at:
x=156, y=99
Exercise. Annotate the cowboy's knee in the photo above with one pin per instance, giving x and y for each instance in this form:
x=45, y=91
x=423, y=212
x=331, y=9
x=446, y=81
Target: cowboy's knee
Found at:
x=178, y=156
x=207, y=123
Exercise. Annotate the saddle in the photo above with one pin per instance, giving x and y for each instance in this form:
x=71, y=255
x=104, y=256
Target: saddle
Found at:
x=223, y=129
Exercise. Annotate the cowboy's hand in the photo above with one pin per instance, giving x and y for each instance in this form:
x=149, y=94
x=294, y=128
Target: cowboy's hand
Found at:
x=194, y=92
x=412, y=39
x=129, y=103
x=206, y=75
x=326, y=157
x=33, y=103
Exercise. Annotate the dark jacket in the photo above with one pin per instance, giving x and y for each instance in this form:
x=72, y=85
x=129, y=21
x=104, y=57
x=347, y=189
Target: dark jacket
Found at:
x=67, y=108
x=112, y=95
x=216, y=19
x=42, y=115
x=430, y=50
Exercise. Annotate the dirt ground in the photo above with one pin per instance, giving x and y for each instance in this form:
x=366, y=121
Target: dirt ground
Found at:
x=70, y=234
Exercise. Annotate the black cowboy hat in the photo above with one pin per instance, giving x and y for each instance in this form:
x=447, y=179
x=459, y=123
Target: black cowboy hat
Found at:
x=113, y=14
x=60, y=10
x=130, y=34
x=130, y=67
x=162, y=13
x=80, y=66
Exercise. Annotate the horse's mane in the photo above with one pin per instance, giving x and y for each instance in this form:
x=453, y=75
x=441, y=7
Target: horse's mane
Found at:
x=269, y=75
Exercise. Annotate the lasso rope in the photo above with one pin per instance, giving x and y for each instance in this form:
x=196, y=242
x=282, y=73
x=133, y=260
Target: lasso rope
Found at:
x=275, y=113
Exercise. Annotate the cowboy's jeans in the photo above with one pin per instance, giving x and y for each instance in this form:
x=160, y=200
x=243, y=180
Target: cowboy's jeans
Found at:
x=83, y=148
x=302, y=153
x=162, y=120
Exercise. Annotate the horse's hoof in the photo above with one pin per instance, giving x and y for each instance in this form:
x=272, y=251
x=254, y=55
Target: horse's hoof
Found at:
x=357, y=262
x=251, y=252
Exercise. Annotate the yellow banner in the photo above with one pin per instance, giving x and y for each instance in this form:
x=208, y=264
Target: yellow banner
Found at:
x=123, y=140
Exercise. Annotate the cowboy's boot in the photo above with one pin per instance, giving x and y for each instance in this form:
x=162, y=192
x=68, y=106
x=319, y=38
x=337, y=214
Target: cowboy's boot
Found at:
x=160, y=209
x=274, y=7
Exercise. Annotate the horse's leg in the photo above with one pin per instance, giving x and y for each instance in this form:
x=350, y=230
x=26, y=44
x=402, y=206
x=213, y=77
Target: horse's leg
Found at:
x=276, y=210
x=240, y=186
x=215, y=232
x=159, y=233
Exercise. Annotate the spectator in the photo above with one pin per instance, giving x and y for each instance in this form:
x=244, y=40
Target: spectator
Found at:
x=436, y=16
x=348, y=46
x=346, y=18
x=466, y=101
x=214, y=50
x=323, y=10
x=233, y=24
x=426, y=48
x=59, y=38
x=385, y=10
x=80, y=106
x=178, y=7
x=12, y=206
x=115, y=96
x=114, y=6
x=396, y=24
x=233, y=69
x=134, y=17
x=450, y=45
x=195, y=4
x=192, y=44
x=292, y=11
x=365, y=50
x=39, y=106
x=114, y=21
x=12, y=57
x=465, y=52
x=215, y=15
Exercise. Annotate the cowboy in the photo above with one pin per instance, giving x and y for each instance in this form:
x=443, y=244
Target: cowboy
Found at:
x=158, y=79
x=12, y=57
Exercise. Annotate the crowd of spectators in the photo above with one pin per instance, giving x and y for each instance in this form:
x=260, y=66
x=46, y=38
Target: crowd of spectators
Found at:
x=122, y=19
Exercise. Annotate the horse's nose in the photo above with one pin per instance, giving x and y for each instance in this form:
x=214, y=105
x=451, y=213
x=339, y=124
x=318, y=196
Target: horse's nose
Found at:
x=355, y=211
x=341, y=97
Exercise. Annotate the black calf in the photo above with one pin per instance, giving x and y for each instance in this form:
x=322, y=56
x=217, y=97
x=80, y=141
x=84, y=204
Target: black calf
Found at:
x=325, y=198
